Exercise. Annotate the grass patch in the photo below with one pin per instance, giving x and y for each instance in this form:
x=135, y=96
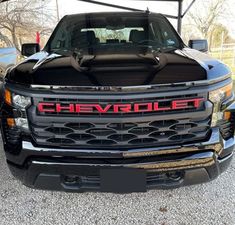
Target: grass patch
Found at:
x=227, y=57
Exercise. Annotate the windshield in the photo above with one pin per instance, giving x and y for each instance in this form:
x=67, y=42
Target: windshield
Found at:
x=114, y=32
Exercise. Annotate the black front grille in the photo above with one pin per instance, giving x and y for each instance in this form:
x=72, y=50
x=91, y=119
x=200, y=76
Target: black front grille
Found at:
x=147, y=133
x=120, y=131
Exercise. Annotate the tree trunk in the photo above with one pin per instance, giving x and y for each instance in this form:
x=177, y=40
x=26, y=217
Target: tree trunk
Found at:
x=6, y=40
x=14, y=39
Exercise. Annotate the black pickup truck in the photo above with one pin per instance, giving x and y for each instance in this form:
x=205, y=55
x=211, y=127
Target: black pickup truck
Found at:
x=116, y=102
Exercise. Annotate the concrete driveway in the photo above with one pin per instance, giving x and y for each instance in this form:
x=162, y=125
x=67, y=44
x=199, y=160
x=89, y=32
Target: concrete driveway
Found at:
x=212, y=203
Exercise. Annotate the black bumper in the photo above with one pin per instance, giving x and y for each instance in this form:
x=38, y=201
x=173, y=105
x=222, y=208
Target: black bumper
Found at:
x=84, y=175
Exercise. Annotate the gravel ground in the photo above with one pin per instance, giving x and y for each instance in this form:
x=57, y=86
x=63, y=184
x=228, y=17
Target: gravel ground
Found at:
x=212, y=203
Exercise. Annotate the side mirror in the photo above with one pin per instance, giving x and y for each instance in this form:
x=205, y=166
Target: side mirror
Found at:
x=200, y=45
x=30, y=49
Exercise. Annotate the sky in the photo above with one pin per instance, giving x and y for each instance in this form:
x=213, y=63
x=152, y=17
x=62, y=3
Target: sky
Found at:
x=75, y=6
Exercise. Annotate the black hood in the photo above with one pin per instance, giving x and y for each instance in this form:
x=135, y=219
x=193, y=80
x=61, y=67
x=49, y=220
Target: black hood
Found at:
x=122, y=69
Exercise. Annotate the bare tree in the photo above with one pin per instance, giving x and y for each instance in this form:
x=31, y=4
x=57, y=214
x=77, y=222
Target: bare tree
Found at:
x=20, y=20
x=205, y=15
x=4, y=41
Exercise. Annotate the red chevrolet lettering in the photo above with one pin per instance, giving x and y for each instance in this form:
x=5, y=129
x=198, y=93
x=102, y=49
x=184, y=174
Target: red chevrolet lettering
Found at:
x=84, y=108
x=157, y=108
x=143, y=107
x=197, y=102
x=126, y=108
x=184, y=104
x=120, y=108
x=68, y=108
x=46, y=107
x=103, y=110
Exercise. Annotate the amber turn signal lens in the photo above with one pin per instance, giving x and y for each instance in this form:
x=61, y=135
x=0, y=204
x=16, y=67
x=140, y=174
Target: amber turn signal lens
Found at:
x=228, y=90
x=8, y=97
x=10, y=122
x=227, y=115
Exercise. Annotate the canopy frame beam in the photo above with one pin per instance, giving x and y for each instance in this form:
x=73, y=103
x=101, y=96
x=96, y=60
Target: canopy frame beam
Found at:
x=179, y=17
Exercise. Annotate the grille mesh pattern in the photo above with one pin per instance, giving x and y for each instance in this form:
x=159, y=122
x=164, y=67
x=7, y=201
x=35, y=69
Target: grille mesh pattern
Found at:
x=121, y=134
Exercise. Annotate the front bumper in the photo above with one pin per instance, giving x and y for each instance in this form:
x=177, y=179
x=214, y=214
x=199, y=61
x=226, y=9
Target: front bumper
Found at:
x=79, y=170
x=80, y=178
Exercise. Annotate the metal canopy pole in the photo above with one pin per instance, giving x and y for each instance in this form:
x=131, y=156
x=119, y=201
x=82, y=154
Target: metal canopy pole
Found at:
x=180, y=10
x=189, y=7
x=57, y=10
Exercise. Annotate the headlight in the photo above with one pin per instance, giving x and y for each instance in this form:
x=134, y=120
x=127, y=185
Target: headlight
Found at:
x=17, y=100
x=22, y=123
x=217, y=97
x=21, y=101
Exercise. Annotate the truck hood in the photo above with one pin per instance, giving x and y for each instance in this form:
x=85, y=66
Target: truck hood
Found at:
x=122, y=69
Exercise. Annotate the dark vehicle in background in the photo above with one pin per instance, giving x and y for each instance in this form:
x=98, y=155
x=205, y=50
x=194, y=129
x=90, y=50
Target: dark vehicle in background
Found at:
x=117, y=102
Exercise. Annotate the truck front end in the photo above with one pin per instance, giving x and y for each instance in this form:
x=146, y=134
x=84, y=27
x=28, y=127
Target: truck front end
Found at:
x=129, y=112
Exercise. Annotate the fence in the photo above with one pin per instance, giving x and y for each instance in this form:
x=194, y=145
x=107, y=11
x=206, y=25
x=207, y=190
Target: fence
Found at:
x=225, y=53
